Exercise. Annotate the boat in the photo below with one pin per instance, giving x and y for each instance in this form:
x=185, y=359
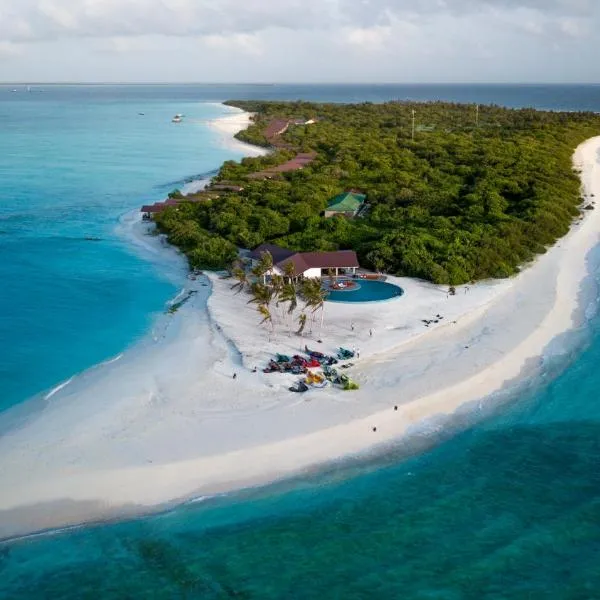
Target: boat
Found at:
x=177, y=118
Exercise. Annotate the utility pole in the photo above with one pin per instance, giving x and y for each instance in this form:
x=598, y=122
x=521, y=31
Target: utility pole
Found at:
x=413, y=125
x=477, y=115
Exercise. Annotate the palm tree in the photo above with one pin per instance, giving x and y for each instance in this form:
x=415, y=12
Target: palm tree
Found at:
x=259, y=272
x=289, y=294
x=302, y=323
x=311, y=290
x=276, y=284
x=264, y=265
x=261, y=294
x=289, y=271
x=241, y=277
x=330, y=275
x=266, y=314
x=318, y=302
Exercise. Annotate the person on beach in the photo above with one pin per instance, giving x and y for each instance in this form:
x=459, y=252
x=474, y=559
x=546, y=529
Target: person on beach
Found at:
x=351, y=326
x=235, y=376
x=370, y=333
x=358, y=354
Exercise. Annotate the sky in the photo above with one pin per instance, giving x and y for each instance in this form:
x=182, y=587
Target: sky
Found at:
x=300, y=41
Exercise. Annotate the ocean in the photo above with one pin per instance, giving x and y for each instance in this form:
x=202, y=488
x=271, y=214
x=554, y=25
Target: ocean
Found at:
x=507, y=507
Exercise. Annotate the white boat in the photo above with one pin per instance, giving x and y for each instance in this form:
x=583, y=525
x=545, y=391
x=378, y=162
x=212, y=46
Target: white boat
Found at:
x=177, y=118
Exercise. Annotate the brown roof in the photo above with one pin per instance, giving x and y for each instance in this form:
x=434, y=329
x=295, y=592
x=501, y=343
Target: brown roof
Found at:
x=227, y=187
x=277, y=252
x=151, y=208
x=302, y=261
x=160, y=206
x=276, y=127
x=294, y=164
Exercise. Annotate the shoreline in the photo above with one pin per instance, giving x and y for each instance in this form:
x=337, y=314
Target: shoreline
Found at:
x=148, y=432
x=233, y=122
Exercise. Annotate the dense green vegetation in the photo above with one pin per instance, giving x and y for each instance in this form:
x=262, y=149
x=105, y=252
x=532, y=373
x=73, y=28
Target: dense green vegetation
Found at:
x=472, y=196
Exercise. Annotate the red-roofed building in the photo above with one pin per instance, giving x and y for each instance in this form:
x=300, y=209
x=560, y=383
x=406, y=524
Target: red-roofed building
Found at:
x=275, y=128
x=150, y=209
x=294, y=164
x=309, y=265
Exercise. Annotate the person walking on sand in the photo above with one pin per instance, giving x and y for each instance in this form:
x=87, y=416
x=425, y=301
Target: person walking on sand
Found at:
x=370, y=333
x=357, y=353
x=235, y=375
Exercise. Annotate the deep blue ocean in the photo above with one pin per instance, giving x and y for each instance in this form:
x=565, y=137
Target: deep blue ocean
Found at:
x=508, y=507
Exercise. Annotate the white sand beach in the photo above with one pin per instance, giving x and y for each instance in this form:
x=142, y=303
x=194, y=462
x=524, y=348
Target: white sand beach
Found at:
x=168, y=421
x=229, y=125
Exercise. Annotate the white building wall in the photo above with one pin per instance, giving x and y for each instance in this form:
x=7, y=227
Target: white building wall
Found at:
x=312, y=273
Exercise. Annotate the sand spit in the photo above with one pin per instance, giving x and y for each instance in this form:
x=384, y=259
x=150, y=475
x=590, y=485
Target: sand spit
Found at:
x=168, y=420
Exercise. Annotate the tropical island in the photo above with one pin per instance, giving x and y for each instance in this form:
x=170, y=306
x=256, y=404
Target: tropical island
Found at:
x=204, y=406
x=443, y=192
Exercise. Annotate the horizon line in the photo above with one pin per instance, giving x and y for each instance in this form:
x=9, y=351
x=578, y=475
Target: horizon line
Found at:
x=277, y=83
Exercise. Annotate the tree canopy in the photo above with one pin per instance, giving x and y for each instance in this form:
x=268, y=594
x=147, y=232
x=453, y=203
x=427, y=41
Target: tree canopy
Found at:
x=474, y=195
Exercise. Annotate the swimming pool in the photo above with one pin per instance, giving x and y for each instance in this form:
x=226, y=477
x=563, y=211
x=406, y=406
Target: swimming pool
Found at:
x=366, y=291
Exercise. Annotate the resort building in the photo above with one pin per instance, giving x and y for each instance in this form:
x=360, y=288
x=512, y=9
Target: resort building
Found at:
x=349, y=204
x=226, y=187
x=276, y=127
x=304, y=122
x=308, y=265
x=300, y=161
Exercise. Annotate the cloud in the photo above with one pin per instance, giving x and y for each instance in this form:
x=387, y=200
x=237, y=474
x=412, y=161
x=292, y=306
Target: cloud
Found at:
x=249, y=44
x=300, y=40
x=368, y=38
x=24, y=20
x=9, y=50
x=574, y=27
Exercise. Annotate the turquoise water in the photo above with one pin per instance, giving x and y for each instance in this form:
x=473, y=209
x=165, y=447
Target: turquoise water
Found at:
x=366, y=291
x=508, y=507
x=72, y=165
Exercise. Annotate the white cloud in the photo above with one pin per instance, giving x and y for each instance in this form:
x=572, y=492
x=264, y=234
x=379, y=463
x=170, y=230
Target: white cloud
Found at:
x=58, y=14
x=247, y=43
x=573, y=27
x=9, y=50
x=368, y=38
x=52, y=19
x=295, y=40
